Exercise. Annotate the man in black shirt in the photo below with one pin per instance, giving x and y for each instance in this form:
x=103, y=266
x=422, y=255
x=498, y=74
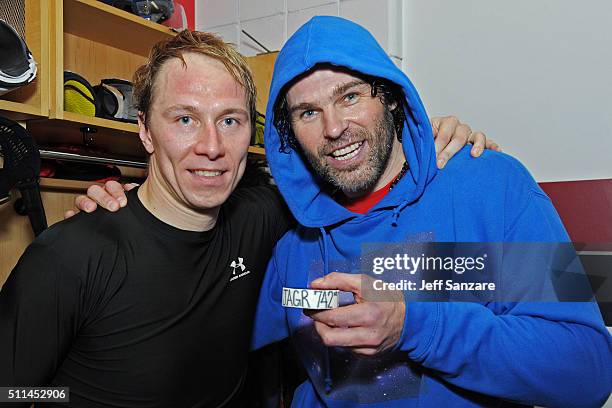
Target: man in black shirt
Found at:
x=153, y=306
x=129, y=311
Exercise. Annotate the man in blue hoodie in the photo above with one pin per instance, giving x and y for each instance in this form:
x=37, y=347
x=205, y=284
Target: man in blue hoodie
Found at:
x=352, y=152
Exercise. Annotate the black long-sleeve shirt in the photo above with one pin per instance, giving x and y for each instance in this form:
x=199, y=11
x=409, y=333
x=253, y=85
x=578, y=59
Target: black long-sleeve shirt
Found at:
x=128, y=311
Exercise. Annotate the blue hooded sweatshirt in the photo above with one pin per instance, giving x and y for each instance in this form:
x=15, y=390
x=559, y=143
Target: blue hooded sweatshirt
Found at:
x=453, y=354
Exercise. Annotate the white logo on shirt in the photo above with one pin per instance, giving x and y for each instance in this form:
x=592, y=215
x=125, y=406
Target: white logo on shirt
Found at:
x=238, y=267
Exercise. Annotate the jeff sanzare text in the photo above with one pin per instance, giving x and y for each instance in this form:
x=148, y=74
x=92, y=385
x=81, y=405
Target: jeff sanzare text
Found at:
x=435, y=285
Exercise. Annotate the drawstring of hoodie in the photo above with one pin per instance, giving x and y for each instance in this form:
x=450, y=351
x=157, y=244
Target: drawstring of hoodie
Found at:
x=396, y=212
x=399, y=208
x=326, y=361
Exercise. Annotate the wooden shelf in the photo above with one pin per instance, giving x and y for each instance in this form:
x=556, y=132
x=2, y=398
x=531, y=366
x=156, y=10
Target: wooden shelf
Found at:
x=259, y=151
x=109, y=25
x=100, y=122
x=20, y=111
x=61, y=184
x=112, y=137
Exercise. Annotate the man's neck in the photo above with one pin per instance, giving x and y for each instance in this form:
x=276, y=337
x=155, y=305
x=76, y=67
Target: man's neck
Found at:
x=160, y=202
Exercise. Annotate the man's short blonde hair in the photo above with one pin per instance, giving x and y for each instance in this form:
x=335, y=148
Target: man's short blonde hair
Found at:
x=198, y=42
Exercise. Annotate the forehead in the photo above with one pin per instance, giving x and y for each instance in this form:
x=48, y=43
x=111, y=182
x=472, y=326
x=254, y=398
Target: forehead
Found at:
x=318, y=84
x=201, y=77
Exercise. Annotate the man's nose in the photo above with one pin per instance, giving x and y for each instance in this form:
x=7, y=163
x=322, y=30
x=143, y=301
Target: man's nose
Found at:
x=334, y=123
x=210, y=142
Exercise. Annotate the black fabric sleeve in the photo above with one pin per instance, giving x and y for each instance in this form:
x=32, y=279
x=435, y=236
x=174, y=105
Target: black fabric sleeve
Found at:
x=281, y=219
x=38, y=317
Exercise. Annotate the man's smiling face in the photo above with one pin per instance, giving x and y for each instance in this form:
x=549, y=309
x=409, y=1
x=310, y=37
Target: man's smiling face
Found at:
x=199, y=131
x=346, y=134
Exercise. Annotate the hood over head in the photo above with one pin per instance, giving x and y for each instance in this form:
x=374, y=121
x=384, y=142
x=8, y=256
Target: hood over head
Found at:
x=339, y=42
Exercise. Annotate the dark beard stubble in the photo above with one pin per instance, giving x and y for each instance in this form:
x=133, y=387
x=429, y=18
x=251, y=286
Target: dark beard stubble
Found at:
x=362, y=177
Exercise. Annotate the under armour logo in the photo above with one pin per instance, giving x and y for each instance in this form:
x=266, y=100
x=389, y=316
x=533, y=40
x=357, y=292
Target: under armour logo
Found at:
x=238, y=265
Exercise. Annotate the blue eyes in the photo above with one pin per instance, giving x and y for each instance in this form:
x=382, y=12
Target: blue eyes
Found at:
x=348, y=99
x=188, y=121
x=352, y=97
x=308, y=113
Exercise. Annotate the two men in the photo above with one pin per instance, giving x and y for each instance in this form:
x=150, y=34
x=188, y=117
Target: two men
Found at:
x=154, y=306
x=352, y=137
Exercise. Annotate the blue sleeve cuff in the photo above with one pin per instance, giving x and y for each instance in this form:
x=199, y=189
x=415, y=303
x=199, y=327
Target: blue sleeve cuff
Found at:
x=421, y=322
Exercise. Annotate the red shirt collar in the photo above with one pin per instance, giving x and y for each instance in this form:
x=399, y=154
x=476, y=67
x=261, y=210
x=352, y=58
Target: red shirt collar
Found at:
x=363, y=204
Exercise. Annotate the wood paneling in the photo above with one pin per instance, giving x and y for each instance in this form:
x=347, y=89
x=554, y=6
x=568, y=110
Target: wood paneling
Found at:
x=102, y=23
x=32, y=100
x=15, y=230
x=95, y=60
x=262, y=66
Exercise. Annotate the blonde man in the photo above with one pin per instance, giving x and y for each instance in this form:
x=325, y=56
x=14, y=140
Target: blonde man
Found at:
x=154, y=306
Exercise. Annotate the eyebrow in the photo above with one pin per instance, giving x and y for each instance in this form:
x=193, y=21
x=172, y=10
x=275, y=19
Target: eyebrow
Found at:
x=188, y=108
x=338, y=90
x=180, y=108
x=342, y=88
x=234, y=110
x=304, y=106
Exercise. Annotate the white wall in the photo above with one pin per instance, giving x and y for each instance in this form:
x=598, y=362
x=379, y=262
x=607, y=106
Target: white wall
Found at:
x=536, y=75
x=271, y=22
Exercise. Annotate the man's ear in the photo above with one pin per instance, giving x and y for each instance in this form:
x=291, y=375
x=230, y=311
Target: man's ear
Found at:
x=144, y=134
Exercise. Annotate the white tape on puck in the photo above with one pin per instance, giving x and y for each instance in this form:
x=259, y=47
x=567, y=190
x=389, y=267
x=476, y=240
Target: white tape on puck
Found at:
x=310, y=298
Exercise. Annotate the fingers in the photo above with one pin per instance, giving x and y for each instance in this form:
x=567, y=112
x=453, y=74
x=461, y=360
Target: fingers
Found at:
x=458, y=139
x=368, y=328
x=481, y=142
x=490, y=144
x=360, y=337
x=129, y=186
x=69, y=213
x=478, y=139
x=371, y=351
x=435, y=125
x=102, y=197
x=84, y=203
x=347, y=316
x=111, y=196
x=117, y=191
x=347, y=282
x=450, y=137
x=446, y=128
